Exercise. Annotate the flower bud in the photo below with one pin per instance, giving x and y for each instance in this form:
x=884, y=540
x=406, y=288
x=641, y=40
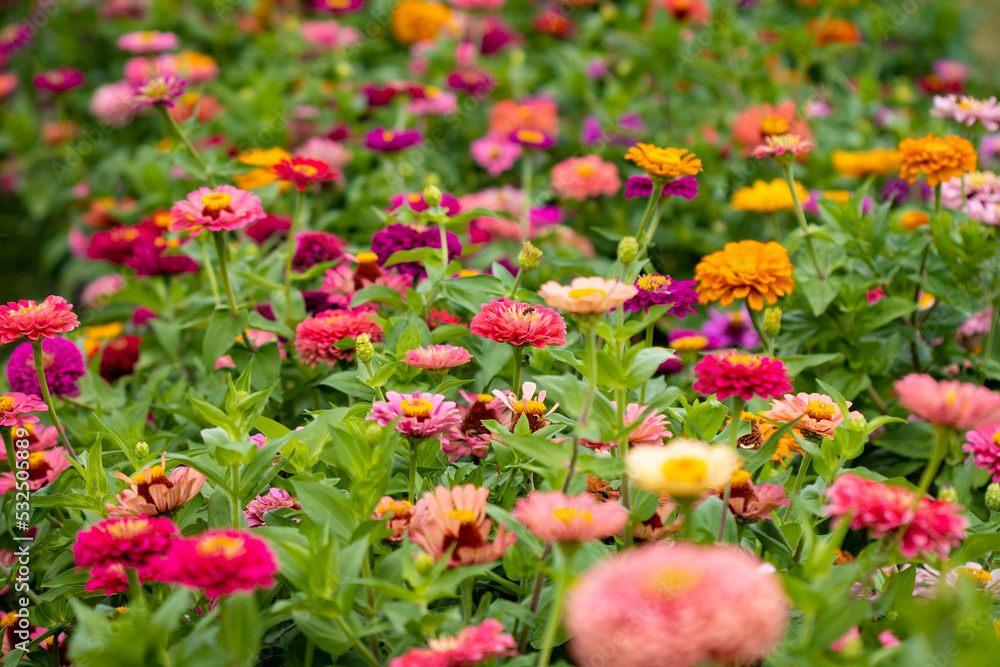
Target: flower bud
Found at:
x=432, y=195
x=373, y=435
x=628, y=250
x=993, y=497
x=141, y=450
x=772, y=322
x=424, y=563
x=365, y=349
x=529, y=257
x=948, y=493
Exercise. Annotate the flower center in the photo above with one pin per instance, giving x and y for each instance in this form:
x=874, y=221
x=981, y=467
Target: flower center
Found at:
x=156, y=476
x=585, y=170
x=464, y=517
x=567, y=514
x=416, y=407
x=531, y=136
x=8, y=620
x=527, y=407
x=486, y=398
x=127, y=529
x=388, y=136
x=37, y=466
x=215, y=203
x=156, y=88
x=305, y=169
x=397, y=507
x=773, y=125
x=653, y=283
x=821, y=410
x=743, y=359
x=981, y=577
x=584, y=292
x=147, y=37
x=740, y=478
x=996, y=438
x=6, y=403
x=367, y=258
x=687, y=470
x=674, y=581
x=689, y=343
x=220, y=545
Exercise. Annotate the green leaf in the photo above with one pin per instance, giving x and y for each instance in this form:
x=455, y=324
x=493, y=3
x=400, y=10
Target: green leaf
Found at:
x=96, y=479
x=240, y=628
x=881, y=313
x=221, y=334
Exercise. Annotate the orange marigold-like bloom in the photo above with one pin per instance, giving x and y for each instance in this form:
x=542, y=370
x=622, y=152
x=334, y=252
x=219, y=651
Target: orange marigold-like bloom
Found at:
x=764, y=197
x=866, y=163
x=669, y=163
x=833, y=30
x=938, y=158
x=752, y=270
x=414, y=21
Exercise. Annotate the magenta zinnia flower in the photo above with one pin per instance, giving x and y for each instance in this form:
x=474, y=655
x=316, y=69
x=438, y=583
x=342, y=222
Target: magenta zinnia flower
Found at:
x=218, y=209
x=158, y=89
x=27, y=319
x=519, y=324
x=474, y=645
x=642, y=186
x=391, y=141
x=15, y=406
x=555, y=517
x=421, y=415
x=316, y=337
x=314, y=248
x=130, y=542
x=657, y=290
x=396, y=237
x=437, y=357
x=274, y=499
x=725, y=328
x=984, y=445
x=530, y=138
x=447, y=518
x=222, y=562
x=59, y=80
x=960, y=405
x=62, y=362
x=732, y=373
x=338, y=6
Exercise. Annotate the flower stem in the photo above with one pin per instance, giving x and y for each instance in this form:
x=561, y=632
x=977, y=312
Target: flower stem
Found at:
x=190, y=146
x=620, y=398
x=467, y=587
x=222, y=250
x=800, y=478
x=289, y=253
x=801, y=217
x=734, y=439
x=639, y=235
x=555, y=615
x=136, y=595
x=764, y=338
x=591, y=391
x=526, y=173
x=237, y=508
x=209, y=271
x=941, y=441
x=36, y=350
x=518, y=362
x=536, y=594
x=413, y=471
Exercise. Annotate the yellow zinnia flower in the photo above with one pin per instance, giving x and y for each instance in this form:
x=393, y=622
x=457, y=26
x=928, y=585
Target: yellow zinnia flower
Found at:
x=764, y=197
x=683, y=468
x=938, y=158
x=866, y=163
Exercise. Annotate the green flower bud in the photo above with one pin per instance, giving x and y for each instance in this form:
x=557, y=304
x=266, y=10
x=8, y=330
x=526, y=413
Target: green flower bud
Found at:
x=948, y=493
x=628, y=250
x=373, y=435
x=141, y=450
x=529, y=257
x=772, y=322
x=993, y=497
x=424, y=563
x=432, y=195
x=365, y=349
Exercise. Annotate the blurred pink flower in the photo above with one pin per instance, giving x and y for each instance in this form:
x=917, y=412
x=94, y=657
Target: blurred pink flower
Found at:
x=555, y=517
x=495, y=154
x=472, y=646
x=437, y=357
x=275, y=498
x=960, y=405
x=585, y=177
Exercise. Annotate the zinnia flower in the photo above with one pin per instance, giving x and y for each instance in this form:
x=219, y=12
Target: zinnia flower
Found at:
x=730, y=329
x=937, y=158
x=147, y=41
x=732, y=373
x=274, y=499
x=968, y=110
x=960, y=405
x=474, y=645
x=495, y=154
x=664, y=163
x=437, y=357
x=816, y=413
x=749, y=502
x=152, y=493
x=751, y=270
x=15, y=408
x=396, y=237
x=657, y=290
x=984, y=445
x=530, y=138
x=27, y=319
x=218, y=209
x=391, y=141
x=413, y=21
x=62, y=362
x=316, y=337
x=764, y=197
x=222, y=562
x=536, y=113
x=43, y=469
x=157, y=89
x=519, y=324
x=585, y=177
x=877, y=161
x=531, y=406
x=632, y=610
x=61, y=80
x=421, y=415
x=397, y=515
x=553, y=516
x=642, y=186
x=754, y=124
x=784, y=148
x=587, y=296
x=683, y=468
x=447, y=518
x=130, y=542
x=314, y=248
x=304, y=172
x=471, y=437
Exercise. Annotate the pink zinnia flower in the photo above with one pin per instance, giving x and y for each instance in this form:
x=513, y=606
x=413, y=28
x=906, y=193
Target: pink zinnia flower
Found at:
x=587, y=296
x=474, y=645
x=495, y=154
x=749, y=502
x=755, y=123
x=939, y=527
x=984, y=445
x=27, y=319
x=960, y=405
x=158, y=89
x=819, y=413
x=114, y=103
x=731, y=373
x=222, y=562
x=651, y=432
x=782, y=144
x=434, y=102
x=329, y=34
x=397, y=515
x=218, y=209
x=152, y=492
x=658, y=601
x=585, y=177
x=447, y=518
x=968, y=110
x=519, y=324
x=421, y=415
x=147, y=41
x=100, y=290
x=555, y=517
x=274, y=499
x=43, y=469
x=316, y=337
x=529, y=405
x=529, y=138
x=304, y=172
x=59, y=80
x=437, y=357
x=471, y=437
x=15, y=406
x=325, y=150
x=110, y=579
x=132, y=543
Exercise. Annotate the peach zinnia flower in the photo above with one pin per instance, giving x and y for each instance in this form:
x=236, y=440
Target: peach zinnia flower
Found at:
x=397, y=515
x=27, y=319
x=437, y=357
x=153, y=493
x=587, y=296
x=555, y=517
x=938, y=158
x=664, y=163
x=519, y=324
x=960, y=405
x=533, y=113
x=754, y=124
x=749, y=269
x=585, y=177
x=447, y=518
x=218, y=209
x=819, y=413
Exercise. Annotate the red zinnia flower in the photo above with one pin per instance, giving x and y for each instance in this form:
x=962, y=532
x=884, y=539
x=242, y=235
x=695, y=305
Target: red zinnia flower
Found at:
x=304, y=172
x=27, y=319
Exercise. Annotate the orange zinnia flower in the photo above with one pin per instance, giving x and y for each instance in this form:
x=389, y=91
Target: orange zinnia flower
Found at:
x=938, y=158
x=414, y=21
x=865, y=163
x=669, y=163
x=752, y=270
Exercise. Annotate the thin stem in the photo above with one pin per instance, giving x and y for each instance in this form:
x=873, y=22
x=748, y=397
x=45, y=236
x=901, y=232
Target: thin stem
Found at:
x=518, y=363
x=591, y=391
x=358, y=646
x=237, y=506
x=310, y=651
x=801, y=217
x=5, y=571
x=467, y=587
x=526, y=173
x=190, y=146
x=620, y=399
x=412, y=486
x=518, y=279
x=36, y=348
x=734, y=439
x=366, y=572
x=800, y=478
x=536, y=594
x=289, y=253
x=209, y=271
x=555, y=615
x=444, y=248
x=760, y=332
x=222, y=251
x=647, y=214
x=941, y=442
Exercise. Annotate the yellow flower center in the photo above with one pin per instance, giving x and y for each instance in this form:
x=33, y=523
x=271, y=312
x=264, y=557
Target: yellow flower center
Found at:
x=687, y=470
x=387, y=135
x=367, y=258
x=674, y=581
x=531, y=136
x=121, y=610
x=220, y=545
x=6, y=403
x=397, y=507
x=157, y=475
x=416, y=407
x=981, y=577
x=464, y=517
x=689, y=343
x=156, y=88
x=124, y=234
x=486, y=398
x=8, y=620
x=584, y=292
x=567, y=514
x=585, y=170
x=216, y=202
x=996, y=438
x=653, y=283
x=305, y=169
x=740, y=478
x=467, y=273
x=36, y=460
x=128, y=529
x=821, y=410
x=744, y=359
x=527, y=407
x=773, y=125
x=147, y=36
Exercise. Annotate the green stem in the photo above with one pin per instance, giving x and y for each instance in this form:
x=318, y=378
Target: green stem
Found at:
x=518, y=363
x=444, y=249
x=647, y=214
x=289, y=253
x=235, y=495
x=356, y=643
x=412, y=486
x=136, y=595
x=536, y=594
x=467, y=587
x=190, y=146
x=760, y=332
x=941, y=441
x=555, y=615
x=209, y=271
x=518, y=279
x=734, y=439
x=526, y=173
x=620, y=398
x=222, y=250
x=36, y=347
x=310, y=651
x=801, y=217
x=591, y=392
x=800, y=478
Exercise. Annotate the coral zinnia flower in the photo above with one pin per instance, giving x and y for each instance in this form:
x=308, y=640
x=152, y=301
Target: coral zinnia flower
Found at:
x=749, y=502
x=984, y=445
x=683, y=468
x=151, y=492
x=15, y=406
x=749, y=269
x=218, y=209
x=938, y=158
x=222, y=562
x=27, y=319
x=421, y=415
x=587, y=296
x=437, y=357
x=960, y=405
x=661, y=600
x=304, y=172
x=866, y=163
x=43, y=469
x=819, y=413
x=516, y=323
x=754, y=124
x=555, y=517
x=585, y=177
x=274, y=499
x=397, y=515
x=474, y=645
x=764, y=197
x=536, y=113
x=316, y=337
x=447, y=518
x=133, y=543
x=664, y=163
x=733, y=373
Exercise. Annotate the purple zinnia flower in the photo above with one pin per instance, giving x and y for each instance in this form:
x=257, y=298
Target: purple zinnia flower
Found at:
x=477, y=82
x=532, y=138
x=398, y=237
x=317, y=302
x=591, y=132
x=314, y=248
x=268, y=226
x=545, y=216
x=63, y=364
x=642, y=186
x=59, y=80
x=149, y=260
x=657, y=290
x=156, y=89
x=391, y=141
x=730, y=329
x=638, y=186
